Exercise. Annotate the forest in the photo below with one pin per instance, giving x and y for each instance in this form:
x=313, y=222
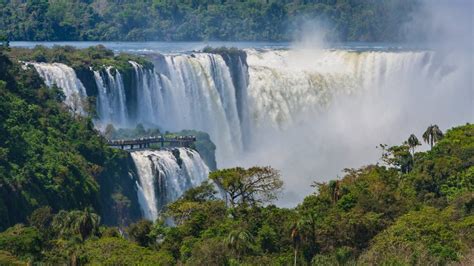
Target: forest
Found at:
x=209, y=20
x=411, y=207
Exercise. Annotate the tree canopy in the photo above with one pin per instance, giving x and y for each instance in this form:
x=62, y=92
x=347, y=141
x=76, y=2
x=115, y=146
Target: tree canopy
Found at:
x=186, y=20
x=251, y=186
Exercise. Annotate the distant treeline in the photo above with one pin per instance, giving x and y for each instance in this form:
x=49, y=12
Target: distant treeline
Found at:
x=186, y=20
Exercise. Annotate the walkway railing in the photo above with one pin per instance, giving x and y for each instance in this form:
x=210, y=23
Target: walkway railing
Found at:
x=141, y=143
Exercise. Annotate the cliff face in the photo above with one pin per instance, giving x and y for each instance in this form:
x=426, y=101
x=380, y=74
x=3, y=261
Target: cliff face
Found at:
x=86, y=76
x=100, y=88
x=118, y=191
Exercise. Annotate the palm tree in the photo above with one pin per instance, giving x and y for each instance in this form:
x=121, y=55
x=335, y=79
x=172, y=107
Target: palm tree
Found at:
x=60, y=223
x=413, y=142
x=87, y=223
x=432, y=135
x=334, y=189
x=296, y=239
x=306, y=229
x=239, y=241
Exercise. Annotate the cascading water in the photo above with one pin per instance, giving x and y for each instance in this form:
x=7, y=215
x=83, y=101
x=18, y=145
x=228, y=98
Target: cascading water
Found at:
x=249, y=104
x=111, y=100
x=283, y=83
x=191, y=92
x=202, y=97
x=65, y=78
x=164, y=175
x=229, y=98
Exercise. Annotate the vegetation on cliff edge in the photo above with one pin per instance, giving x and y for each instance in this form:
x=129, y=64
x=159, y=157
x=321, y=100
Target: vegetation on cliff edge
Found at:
x=184, y=20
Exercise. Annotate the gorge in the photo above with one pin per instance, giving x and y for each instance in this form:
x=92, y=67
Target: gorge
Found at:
x=248, y=99
x=236, y=132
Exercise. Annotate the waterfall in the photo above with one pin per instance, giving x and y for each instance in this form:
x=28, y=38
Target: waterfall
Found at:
x=164, y=175
x=201, y=96
x=150, y=103
x=284, y=108
x=111, y=100
x=191, y=92
x=65, y=78
x=231, y=97
x=284, y=83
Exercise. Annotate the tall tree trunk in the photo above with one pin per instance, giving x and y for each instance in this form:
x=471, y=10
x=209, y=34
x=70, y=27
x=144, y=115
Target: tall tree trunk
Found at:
x=296, y=253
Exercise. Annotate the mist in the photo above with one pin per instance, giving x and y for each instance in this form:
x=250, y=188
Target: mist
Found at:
x=317, y=143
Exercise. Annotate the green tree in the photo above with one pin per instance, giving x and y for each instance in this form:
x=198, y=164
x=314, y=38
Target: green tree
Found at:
x=240, y=241
x=140, y=232
x=24, y=242
x=432, y=135
x=200, y=20
x=118, y=251
x=413, y=142
x=400, y=157
x=267, y=239
x=425, y=236
x=296, y=240
x=248, y=186
x=5, y=44
x=6, y=258
x=335, y=190
x=41, y=218
x=76, y=223
x=209, y=251
x=201, y=193
x=88, y=223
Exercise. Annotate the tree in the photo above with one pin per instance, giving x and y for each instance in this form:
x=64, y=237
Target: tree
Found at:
x=119, y=251
x=412, y=143
x=140, y=232
x=400, y=157
x=4, y=43
x=239, y=241
x=251, y=186
x=306, y=225
x=334, y=188
x=87, y=223
x=21, y=241
x=41, y=218
x=202, y=193
x=209, y=251
x=432, y=135
x=82, y=223
x=296, y=239
x=267, y=239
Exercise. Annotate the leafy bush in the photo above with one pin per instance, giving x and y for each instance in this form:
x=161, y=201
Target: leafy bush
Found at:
x=21, y=241
x=118, y=251
x=427, y=236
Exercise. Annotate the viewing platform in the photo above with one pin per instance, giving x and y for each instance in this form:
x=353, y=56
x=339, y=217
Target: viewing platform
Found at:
x=143, y=143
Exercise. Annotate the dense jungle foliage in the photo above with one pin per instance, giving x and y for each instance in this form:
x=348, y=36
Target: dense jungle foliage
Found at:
x=49, y=156
x=58, y=185
x=376, y=215
x=231, y=20
x=96, y=57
